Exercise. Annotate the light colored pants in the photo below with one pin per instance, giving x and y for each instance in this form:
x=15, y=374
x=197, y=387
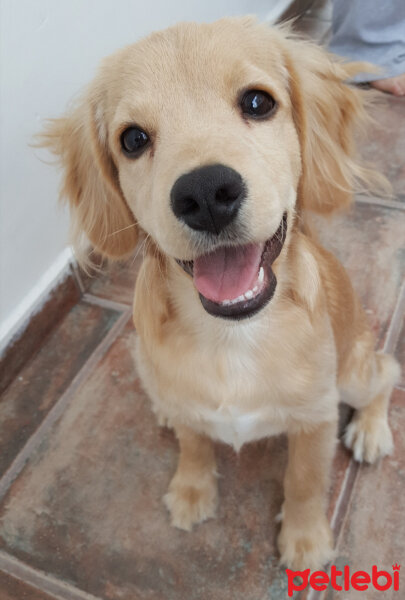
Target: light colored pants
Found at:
x=370, y=30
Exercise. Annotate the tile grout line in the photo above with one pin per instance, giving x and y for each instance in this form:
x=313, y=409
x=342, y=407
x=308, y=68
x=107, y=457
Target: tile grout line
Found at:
x=40, y=580
x=313, y=595
x=391, y=339
x=105, y=302
x=397, y=204
x=343, y=499
x=59, y=408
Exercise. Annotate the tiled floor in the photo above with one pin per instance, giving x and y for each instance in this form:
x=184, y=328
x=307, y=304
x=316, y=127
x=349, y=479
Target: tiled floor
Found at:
x=84, y=466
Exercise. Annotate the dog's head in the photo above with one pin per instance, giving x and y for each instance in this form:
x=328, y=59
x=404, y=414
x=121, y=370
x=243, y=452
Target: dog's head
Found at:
x=209, y=138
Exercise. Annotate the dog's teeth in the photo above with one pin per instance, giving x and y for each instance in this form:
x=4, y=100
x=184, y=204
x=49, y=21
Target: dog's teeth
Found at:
x=246, y=296
x=260, y=278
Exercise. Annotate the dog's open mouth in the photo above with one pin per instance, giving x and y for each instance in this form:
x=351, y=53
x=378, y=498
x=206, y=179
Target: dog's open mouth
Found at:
x=236, y=282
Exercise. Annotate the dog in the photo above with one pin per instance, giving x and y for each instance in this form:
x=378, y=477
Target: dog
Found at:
x=211, y=143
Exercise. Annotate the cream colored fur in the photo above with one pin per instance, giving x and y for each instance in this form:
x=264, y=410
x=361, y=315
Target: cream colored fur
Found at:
x=282, y=370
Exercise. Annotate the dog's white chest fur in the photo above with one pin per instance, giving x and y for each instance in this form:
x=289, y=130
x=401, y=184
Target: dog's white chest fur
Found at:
x=232, y=426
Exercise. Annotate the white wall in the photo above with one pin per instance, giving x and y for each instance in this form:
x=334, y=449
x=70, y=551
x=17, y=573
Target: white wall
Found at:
x=48, y=50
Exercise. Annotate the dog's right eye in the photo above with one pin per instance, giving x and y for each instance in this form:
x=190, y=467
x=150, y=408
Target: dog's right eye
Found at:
x=257, y=104
x=133, y=141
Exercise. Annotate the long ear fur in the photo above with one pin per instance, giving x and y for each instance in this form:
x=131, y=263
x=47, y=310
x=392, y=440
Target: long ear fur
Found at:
x=327, y=111
x=90, y=182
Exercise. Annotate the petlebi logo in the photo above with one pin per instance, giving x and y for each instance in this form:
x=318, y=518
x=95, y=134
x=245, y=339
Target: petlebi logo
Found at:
x=344, y=580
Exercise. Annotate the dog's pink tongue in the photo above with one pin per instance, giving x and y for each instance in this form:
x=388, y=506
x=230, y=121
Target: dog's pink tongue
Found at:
x=227, y=273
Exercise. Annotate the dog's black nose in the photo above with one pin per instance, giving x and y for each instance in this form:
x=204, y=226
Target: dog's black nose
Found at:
x=208, y=198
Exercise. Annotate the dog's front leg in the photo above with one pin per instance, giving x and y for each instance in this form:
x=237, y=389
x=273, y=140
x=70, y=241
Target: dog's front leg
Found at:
x=306, y=540
x=192, y=495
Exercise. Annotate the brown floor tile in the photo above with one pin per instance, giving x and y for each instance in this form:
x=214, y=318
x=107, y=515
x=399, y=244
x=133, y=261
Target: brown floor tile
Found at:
x=14, y=589
x=46, y=376
x=116, y=281
x=374, y=530
x=369, y=242
x=384, y=145
x=30, y=339
x=88, y=506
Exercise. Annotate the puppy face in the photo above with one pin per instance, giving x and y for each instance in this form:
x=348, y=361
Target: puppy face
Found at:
x=209, y=138
x=208, y=156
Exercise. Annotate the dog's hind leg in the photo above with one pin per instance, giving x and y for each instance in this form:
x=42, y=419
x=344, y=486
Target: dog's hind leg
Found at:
x=366, y=383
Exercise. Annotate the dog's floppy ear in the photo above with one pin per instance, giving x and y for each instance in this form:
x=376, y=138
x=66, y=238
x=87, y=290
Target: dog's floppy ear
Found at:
x=90, y=181
x=327, y=111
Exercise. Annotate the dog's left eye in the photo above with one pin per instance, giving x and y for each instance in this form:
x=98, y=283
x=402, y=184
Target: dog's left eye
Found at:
x=257, y=104
x=133, y=141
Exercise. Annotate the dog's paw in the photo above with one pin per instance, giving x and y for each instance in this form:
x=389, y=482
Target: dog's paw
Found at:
x=308, y=546
x=369, y=438
x=191, y=503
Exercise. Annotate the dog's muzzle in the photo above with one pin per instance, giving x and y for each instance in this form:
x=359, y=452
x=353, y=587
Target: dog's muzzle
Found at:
x=237, y=282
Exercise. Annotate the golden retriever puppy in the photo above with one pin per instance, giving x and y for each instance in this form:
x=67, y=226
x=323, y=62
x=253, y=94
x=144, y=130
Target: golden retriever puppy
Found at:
x=210, y=142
